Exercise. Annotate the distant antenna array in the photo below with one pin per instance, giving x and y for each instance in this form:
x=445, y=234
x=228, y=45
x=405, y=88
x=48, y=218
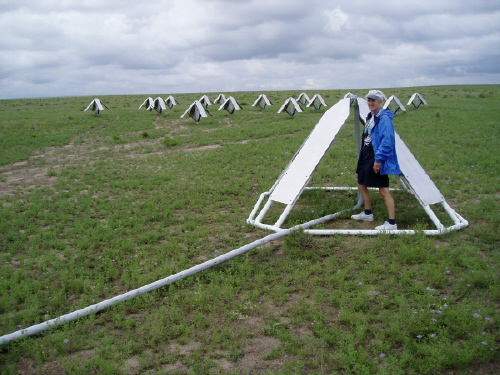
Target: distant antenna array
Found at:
x=291, y=106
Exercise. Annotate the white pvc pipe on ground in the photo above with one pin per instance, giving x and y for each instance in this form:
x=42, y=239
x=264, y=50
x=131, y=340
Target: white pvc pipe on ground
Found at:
x=33, y=330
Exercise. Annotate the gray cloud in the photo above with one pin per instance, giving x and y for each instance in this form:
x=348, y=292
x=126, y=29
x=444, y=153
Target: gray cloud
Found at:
x=53, y=48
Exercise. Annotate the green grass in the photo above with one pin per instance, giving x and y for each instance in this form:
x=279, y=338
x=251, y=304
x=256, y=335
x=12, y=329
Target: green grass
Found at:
x=94, y=206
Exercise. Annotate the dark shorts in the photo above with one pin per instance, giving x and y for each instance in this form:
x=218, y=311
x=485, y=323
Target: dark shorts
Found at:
x=366, y=175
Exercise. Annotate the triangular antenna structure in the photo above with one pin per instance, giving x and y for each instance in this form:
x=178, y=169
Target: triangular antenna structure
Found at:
x=159, y=105
x=148, y=103
x=317, y=102
x=291, y=107
x=262, y=102
x=417, y=99
x=353, y=99
x=170, y=102
x=231, y=105
x=303, y=99
x=394, y=104
x=220, y=99
x=295, y=177
x=96, y=105
x=205, y=101
x=197, y=111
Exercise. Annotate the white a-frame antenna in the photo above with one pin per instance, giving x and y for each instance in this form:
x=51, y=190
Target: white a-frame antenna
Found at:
x=294, y=179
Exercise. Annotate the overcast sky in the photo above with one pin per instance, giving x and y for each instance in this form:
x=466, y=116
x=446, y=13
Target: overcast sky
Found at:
x=103, y=47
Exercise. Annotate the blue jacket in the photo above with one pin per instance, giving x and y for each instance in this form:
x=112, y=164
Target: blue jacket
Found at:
x=384, y=143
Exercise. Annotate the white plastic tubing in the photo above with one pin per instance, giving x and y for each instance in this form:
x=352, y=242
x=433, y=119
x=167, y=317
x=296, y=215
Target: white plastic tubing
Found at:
x=33, y=330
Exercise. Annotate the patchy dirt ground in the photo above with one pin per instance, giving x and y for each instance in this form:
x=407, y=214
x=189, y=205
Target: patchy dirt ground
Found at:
x=253, y=360
x=22, y=175
x=35, y=172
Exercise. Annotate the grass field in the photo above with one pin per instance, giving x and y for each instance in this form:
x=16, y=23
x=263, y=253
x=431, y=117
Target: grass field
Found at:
x=94, y=206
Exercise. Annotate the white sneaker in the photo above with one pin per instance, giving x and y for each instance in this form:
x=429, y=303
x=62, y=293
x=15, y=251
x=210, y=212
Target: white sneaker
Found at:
x=387, y=226
x=362, y=216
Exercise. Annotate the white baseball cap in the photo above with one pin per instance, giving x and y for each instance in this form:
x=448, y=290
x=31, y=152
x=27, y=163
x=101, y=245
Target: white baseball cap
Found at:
x=375, y=94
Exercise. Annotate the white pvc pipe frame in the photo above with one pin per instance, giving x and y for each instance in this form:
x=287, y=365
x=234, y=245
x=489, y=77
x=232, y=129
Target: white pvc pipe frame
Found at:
x=459, y=221
x=33, y=330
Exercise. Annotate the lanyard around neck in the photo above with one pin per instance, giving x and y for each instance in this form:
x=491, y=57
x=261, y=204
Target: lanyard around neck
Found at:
x=369, y=125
